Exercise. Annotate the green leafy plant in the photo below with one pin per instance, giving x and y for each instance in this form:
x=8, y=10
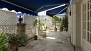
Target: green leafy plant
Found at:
x=3, y=42
x=35, y=22
x=17, y=40
x=61, y=28
x=56, y=19
x=47, y=27
x=21, y=39
x=64, y=23
x=40, y=24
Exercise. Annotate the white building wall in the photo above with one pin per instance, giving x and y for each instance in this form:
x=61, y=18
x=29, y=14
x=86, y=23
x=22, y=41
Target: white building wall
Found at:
x=47, y=21
x=29, y=20
x=76, y=25
x=72, y=25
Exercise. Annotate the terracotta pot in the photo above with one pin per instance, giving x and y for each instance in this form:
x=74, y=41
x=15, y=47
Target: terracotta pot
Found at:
x=14, y=45
x=55, y=29
x=35, y=37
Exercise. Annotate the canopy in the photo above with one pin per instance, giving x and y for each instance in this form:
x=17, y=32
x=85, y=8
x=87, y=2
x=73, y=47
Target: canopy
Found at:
x=33, y=5
x=59, y=10
x=17, y=9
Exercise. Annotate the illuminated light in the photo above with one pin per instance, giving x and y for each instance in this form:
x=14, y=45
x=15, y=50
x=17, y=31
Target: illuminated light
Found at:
x=18, y=16
x=50, y=38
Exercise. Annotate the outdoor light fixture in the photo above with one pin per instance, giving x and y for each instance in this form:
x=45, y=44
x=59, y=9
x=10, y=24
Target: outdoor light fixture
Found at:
x=19, y=14
x=20, y=17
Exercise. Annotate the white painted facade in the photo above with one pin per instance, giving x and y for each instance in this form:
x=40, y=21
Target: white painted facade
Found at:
x=80, y=24
x=47, y=21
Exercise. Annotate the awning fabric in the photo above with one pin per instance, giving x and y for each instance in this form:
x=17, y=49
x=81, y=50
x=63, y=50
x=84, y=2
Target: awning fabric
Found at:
x=31, y=6
x=59, y=10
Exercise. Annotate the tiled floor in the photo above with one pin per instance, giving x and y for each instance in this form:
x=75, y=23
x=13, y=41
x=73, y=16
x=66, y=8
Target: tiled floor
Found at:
x=55, y=41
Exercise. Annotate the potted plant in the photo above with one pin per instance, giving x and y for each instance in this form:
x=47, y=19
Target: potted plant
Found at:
x=34, y=24
x=61, y=28
x=56, y=19
x=17, y=40
x=64, y=24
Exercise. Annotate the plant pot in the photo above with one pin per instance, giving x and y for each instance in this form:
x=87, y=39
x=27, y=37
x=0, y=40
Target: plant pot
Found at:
x=35, y=37
x=14, y=45
x=55, y=29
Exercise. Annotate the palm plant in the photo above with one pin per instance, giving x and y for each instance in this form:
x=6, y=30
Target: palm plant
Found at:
x=35, y=22
x=56, y=20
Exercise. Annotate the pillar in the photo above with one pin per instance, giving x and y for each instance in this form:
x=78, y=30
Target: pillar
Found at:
x=21, y=28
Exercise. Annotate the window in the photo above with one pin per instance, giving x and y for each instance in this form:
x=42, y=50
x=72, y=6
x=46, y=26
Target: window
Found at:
x=90, y=37
x=84, y=21
x=84, y=25
x=84, y=16
x=87, y=21
x=87, y=36
x=88, y=5
x=88, y=26
x=88, y=15
x=84, y=34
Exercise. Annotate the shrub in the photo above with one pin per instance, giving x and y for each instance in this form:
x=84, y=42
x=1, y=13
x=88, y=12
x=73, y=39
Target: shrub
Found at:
x=61, y=28
x=21, y=39
x=35, y=22
x=64, y=23
x=3, y=42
